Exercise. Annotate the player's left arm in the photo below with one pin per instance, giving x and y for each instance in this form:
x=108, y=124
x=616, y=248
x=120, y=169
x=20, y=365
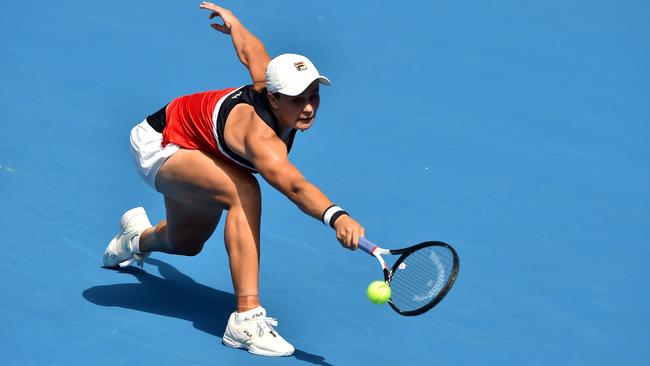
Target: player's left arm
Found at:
x=250, y=49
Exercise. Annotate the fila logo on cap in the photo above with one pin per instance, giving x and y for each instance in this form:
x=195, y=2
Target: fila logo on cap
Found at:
x=300, y=66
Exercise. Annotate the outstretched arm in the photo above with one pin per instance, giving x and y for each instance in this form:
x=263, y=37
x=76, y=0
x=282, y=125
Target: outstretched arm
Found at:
x=269, y=155
x=250, y=50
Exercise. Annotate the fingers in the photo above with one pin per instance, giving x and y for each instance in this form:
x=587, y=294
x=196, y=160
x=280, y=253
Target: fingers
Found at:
x=348, y=232
x=353, y=240
x=225, y=14
x=219, y=27
x=349, y=240
x=216, y=10
x=209, y=6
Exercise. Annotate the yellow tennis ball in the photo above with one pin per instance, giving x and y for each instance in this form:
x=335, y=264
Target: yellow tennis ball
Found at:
x=379, y=292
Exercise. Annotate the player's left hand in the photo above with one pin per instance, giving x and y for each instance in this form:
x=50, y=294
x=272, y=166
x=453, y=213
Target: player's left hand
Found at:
x=229, y=19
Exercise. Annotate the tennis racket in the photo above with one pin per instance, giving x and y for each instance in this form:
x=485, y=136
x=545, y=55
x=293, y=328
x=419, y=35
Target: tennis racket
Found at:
x=420, y=277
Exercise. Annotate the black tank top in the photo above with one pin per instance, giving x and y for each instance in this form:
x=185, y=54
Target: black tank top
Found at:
x=248, y=95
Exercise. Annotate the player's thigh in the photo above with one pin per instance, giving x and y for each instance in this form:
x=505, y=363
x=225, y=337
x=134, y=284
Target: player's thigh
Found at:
x=198, y=180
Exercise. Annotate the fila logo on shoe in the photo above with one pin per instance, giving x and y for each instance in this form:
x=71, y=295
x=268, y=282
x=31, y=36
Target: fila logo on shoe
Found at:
x=257, y=315
x=247, y=333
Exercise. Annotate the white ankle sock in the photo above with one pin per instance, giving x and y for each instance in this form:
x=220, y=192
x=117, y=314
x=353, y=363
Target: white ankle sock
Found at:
x=240, y=317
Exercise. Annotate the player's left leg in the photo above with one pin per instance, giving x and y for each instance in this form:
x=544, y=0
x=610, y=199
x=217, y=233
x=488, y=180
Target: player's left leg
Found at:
x=185, y=230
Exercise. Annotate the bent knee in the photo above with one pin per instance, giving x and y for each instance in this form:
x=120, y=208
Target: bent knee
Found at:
x=191, y=252
x=185, y=247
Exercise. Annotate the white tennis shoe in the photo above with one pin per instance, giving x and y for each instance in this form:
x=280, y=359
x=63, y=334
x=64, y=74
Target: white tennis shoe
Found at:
x=119, y=251
x=256, y=334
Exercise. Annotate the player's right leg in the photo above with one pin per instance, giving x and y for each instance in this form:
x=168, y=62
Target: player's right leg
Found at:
x=196, y=188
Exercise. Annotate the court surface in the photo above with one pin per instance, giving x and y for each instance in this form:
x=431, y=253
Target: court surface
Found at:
x=517, y=131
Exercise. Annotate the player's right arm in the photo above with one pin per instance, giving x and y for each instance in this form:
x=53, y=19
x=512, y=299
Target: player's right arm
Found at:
x=250, y=49
x=269, y=155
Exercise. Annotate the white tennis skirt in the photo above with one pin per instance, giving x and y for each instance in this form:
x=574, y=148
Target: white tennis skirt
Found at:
x=148, y=153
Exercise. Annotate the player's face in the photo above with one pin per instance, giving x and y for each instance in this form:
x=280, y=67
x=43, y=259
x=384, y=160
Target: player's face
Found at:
x=298, y=112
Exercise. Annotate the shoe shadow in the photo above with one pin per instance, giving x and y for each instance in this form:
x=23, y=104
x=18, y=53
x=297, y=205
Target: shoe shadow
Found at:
x=175, y=295
x=311, y=358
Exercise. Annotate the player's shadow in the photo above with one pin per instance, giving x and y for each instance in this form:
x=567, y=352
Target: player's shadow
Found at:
x=175, y=295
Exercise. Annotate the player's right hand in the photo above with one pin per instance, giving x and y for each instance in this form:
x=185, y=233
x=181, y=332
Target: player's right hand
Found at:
x=228, y=17
x=348, y=232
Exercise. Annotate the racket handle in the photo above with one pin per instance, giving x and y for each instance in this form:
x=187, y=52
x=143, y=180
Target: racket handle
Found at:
x=366, y=245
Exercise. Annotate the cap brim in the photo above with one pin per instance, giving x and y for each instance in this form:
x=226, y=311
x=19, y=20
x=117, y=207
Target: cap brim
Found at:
x=325, y=81
x=292, y=92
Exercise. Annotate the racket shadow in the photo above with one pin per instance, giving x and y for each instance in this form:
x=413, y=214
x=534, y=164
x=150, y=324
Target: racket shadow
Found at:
x=175, y=295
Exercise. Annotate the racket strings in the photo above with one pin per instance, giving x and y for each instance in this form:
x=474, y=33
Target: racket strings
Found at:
x=420, y=278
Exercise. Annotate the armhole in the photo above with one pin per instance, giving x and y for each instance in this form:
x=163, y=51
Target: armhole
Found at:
x=222, y=111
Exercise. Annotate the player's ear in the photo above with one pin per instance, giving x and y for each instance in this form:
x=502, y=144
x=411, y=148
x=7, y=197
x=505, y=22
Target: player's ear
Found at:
x=273, y=100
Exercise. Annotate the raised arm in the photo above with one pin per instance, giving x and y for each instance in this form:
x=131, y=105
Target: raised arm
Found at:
x=250, y=50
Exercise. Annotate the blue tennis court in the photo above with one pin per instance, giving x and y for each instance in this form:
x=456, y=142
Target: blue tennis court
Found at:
x=517, y=131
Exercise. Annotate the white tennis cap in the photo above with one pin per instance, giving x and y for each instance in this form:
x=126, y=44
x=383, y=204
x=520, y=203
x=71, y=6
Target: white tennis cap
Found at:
x=291, y=74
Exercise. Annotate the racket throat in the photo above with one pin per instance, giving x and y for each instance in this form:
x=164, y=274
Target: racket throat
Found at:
x=380, y=259
x=384, y=268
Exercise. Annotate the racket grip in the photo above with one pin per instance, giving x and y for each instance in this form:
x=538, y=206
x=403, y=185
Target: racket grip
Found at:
x=366, y=245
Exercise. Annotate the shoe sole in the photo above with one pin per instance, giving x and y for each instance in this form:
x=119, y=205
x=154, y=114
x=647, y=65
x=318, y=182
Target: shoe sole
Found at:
x=227, y=341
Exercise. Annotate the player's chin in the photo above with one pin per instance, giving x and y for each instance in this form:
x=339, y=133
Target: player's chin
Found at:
x=303, y=124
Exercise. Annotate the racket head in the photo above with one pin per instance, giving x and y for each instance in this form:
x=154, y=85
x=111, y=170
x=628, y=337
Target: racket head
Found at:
x=421, y=277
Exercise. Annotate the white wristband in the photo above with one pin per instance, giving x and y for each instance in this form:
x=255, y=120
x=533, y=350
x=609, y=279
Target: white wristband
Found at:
x=327, y=215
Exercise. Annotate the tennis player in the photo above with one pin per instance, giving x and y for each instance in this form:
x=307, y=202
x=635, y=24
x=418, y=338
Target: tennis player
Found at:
x=201, y=151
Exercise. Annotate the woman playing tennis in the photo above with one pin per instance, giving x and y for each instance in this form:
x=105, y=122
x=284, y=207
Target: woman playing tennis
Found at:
x=200, y=151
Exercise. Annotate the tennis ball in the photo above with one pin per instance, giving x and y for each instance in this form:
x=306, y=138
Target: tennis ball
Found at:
x=379, y=292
